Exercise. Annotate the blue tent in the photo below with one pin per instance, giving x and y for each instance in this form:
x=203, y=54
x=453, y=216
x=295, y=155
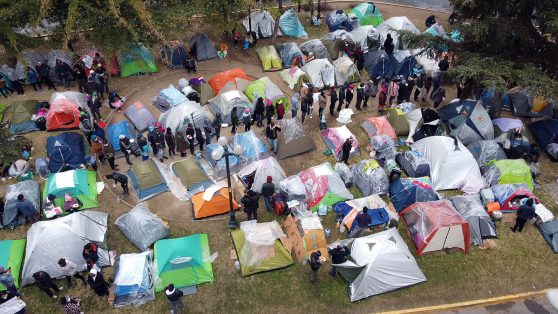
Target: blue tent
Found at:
x=290, y=25
x=402, y=62
x=123, y=127
x=65, y=151
x=379, y=216
x=176, y=56
x=545, y=132
x=338, y=20
x=407, y=191
x=287, y=52
x=378, y=64
x=254, y=148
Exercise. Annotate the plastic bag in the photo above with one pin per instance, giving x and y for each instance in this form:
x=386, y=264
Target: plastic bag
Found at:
x=552, y=150
x=383, y=145
x=345, y=116
x=260, y=241
x=345, y=173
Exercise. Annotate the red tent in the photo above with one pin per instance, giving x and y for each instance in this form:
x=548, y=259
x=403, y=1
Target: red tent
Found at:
x=62, y=115
x=220, y=79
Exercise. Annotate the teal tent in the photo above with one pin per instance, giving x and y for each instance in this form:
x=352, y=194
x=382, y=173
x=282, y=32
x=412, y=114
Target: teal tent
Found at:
x=290, y=24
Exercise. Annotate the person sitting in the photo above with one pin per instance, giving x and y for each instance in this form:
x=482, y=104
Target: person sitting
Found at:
x=27, y=209
x=338, y=256
x=71, y=204
x=97, y=282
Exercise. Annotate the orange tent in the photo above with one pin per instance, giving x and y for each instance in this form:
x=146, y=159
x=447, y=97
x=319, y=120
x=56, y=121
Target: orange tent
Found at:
x=221, y=79
x=219, y=204
x=382, y=126
x=62, y=115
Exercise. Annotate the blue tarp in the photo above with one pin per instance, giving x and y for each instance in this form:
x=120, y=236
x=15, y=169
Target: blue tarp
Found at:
x=65, y=151
x=290, y=25
x=287, y=52
x=173, y=96
x=403, y=196
x=545, y=132
x=254, y=148
x=338, y=20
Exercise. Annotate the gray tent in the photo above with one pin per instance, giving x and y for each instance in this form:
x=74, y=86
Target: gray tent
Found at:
x=486, y=151
x=467, y=120
x=202, y=48
x=370, y=178
x=140, y=116
x=316, y=47
x=142, y=227
x=480, y=224
x=48, y=241
x=226, y=101
x=288, y=52
x=30, y=189
x=549, y=231
x=367, y=37
x=378, y=263
x=293, y=140
x=522, y=104
x=334, y=42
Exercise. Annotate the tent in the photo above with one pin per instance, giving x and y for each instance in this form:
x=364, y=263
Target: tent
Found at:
x=262, y=24
x=368, y=14
x=367, y=37
x=378, y=126
x=137, y=59
x=320, y=72
x=290, y=24
x=486, y=151
x=323, y=186
x=11, y=217
x=508, y=195
x=182, y=261
x=289, y=52
x=142, y=227
x=345, y=71
x=140, y=116
x=146, y=180
x=21, y=121
x=370, y=178
x=255, y=174
x=316, y=47
x=269, y=58
x=435, y=226
x=63, y=115
x=264, y=87
x=65, y=56
x=48, y=241
x=65, y=151
x=403, y=63
x=254, y=148
x=451, y=165
x=80, y=184
x=219, y=166
x=335, y=137
x=338, y=20
x=549, y=231
x=191, y=174
x=436, y=30
x=179, y=116
x=407, y=191
x=422, y=122
x=122, y=128
x=397, y=119
x=348, y=210
x=378, y=263
x=133, y=283
x=378, y=64
x=175, y=55
x=11, y=257
x=217, y=203
x=226, y=101
x=236, y=76
x=546, y=134
x=467, y=120
x=202, y=48
x=293, y=139
x=205, y=91
x=172, y=95
x=508, y=171
x=524, y=104
x=258, y=248
x=413, y=163
x=392, y=26
x=294, y=77
x=334, y=42
x=480, y=224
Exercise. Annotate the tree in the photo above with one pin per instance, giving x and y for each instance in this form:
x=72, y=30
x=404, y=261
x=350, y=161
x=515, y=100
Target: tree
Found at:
x=217, y=13
x=276, y=27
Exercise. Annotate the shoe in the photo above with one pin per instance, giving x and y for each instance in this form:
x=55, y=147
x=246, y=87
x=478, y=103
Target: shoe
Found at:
x=161, y=159
x=60, y=288
x=511, y=228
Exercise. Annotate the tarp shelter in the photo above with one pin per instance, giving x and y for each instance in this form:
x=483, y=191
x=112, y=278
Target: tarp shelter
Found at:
x=407, y=191
x=133, y=283
x=480, y=224
x=435, y=226
x=293, y=139
x=179, y=116
x=137, y=59
x=392, y=26
x=65, y=151
x=403, y=62
x=21, y=121
x=265, y=88
x=175, y=55
x=290, y=24
x=255, y=174
x=236, y=76
x=219, y=166
x=422, y=122
x=63, y=115
x=19, y=169
x=48, y=241
x=11, y=257
x=140, y=116
x=258, y=249
x=345, y=71
x=378, y=64
x=254, y=148
x=338, y=20
x=398, y=120
x=182, y=261
x=320, y=72
x=549, y=231
x=546, y=134
x=146, y=180
x=269, y=58
x=142, y=227
x=217, y=203
x=294, y=77
x=191, y=174
x=11, y=216
x=508, y=171
x=367, y=37
x=334, y=42
x=524, y=104
x=370, y=178
x=368, y=14
x=172, y=95
x=122, y=128
x=413, y=163
x=335, y=137
x=289, y=52
x=80, y=184
x=378, y=263
x=316, y=47
x=451, y=165
x=348, y=210
x=202, y=48
x=226, y=101
x=508, y=195
x=486, y=151
x=378, y=126
x=262, y=24
x=467, y=120
x=323, y=186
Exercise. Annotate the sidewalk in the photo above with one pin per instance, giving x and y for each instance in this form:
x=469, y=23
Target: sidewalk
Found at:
x=536, y=305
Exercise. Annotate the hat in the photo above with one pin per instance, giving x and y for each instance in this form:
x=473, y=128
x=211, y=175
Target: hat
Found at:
x=246, y=110
x=280, y=101
x=121, y=136
x=83, y=113
x=98, y=64
x=93, y=137
x=269, y=179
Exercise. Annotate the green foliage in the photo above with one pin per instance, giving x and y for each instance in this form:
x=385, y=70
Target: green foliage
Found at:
x=217, y=13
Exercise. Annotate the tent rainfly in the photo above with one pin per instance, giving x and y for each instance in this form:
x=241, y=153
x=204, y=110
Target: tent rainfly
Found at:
x=367, y=37
x=293, y=139
x=79, y=183
x=255, y=174
x=290, y=24
x=212, y=202
x=65, y=151
x=320, y=72
x=480, y=224
x=140, y=116
x=136, y=60
x=407, y=191
x=269, y=58
x=316, y=47
x=403, y=62
x=142, y=227
x=335, y=42
x=202, y=48
x=265, y=88
x=133, y=283
x=508, y=171
x=254, y=147
x=486, y=152
x=368, y=14
x=413, y=163
x=11, y=216
x=345, y=71
x=392, y=26
x=226, y=101
x=378, y=64
x=179, y=116
x=370, y=177
x=146, y=180
x=21, y=121
x=421, y=122
x=235, y=77
x=507, y=194
x=219, y=166
x=191, y=174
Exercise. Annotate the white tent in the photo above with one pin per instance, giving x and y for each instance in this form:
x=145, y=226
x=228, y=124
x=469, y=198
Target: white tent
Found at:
x=394, y=24
x=345, y=71
x=260, y=170
x=378, y=263
x=226, y=101
x=263, y=24
x=134, y=279
x=321, y=73
x=177, y=117
x=367, y=37
x=291, y=76
x=452, y=166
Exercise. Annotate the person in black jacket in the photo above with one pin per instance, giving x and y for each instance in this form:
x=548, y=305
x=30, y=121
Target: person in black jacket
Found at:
x=346, y=150
x=217, y=125
x=200, y=137
x=342, y=92
x=315, y=264
x=234, y=121
x=119, y=178
x=151, y=131
x=443, y=65
x=170, y=140
x=63, y=71
x=388, y=44
x=81, y=78
x=259, y=111
x=251, y=201
x=271, y=134
x=338, y=256
x=269, y=112
x=524, y=213
x=268, y=189
x=160, y=143
x=90, y=252
x=44, y=74
x=125, y=147
x=45, y=283
x=97, y=282
x=175, y=298
x=332, y=100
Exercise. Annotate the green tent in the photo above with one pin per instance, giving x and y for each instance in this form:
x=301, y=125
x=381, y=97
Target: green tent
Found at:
x=81, y=184
x=269, y=58
x=11, y=256
x=281, y=259
x=265, y=88
x=509, y=171
x=21, y=121
x=190, y=174
x=137, y=59
x=368, y=14
x=147, y=180
x=182, y=262
x=398, y=121
x=206, y=93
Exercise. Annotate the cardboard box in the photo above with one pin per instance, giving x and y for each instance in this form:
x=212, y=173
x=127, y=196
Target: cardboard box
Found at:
x=304, y=243
x=508, y=218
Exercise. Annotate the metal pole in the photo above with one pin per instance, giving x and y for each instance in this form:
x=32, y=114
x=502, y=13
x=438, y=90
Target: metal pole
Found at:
x=233, y=224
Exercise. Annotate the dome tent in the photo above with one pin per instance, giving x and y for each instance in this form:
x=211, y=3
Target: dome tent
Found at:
x=137, y=59
x=217, y=203
x=486, y=151
x=226, y=101
x=345, y=71
x=146, y=180
x=269, y=58
x=294, y=77
x=316, y=47
x=508, y=171
x=64, y=111
x=378, y=64
x=265, y=88
x=320, y=72
x=334, y=42
x=367, y=37
x=407, y=191
x=11, y=257
x=323, y=186
x=288, y=52
x=191, y=174
x=237, y=77
x=403, y=62
x=202, y=48
x=140, y=116
x=142, y=227
x=338, y=20
x=65, y=151
x=335, y=137
x=293, y=139
x=255, y=174
x=175, y=55
x=392, y=26
x=133, y=283
x=368, y=14
x=467, y=120
x=80, y=184
x=290, y=25
x=480, y=224
x=254, y=148
x=22, y=116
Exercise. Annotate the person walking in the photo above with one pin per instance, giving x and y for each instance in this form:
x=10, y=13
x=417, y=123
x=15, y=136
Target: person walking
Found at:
x=315, y=264
x=332, y=100
x=338, y=256
x=280, y=108
x=246, y=120
x=234, y=120
x=151, y=132
x=393, y=91
x=33, y=79
x=349, y=93
x=27, y=209
x=45, y=283
x=303, y=109
x=368, y=89
x=200, y=137
x=108, y=151
x=250, y=201
x=101, y=80
x=346, y=150
x=271, y=134
x=143, y=147
x=62, y=69
x=363, y=222
x=94, y=104
x=217, y=125
x=419, y=84
x=81, y=77
x=175, y=298
x=360, y=96
x=208, y=130
x=125, y=147
x=44, y=74
x=97, y=148
x=119, y=178
x=321, y=103
x=342, y=92
x=524, y=213
x=71, y=305
x=69, y=270
x=438, y=96
x=97, y=282
x=191, y=137
x=294, y=105
x=269, y=112
x=170, y=140
x=268, y=189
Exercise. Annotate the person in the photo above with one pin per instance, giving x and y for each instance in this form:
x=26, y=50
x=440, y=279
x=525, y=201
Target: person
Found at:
x=309, y=101
x=94, y=104
x=338, y=256
x=236, y=37
x=419, y=85
x=250, y=201
x=151, y=132
x=97, y=147
x=175, y=298
x=349, y=93
x=33, y=79
x=90, y=252
x=125, y=147
x=69, y=270
x=85, y=125
x=190, y=62
x=315, y=102
x=382, y=99
x=234, y=120
x=119, y=178
x=190, y=137
x=269, y=112
x=332, y=100
x=45, y=283
x=109, y=154
x=81, y=77
x=431, y=20
x=315, y=264
x=200, y=137
x=246, y=120
x=208, y=130
x=271, y=134
x=388, y=44
x=436, y=83
x=268, y=189
x=443, y=65
x=280, y=108
x=71, y=305
x=393, y=91
x=7, y=280
x=360, y=95
x=44, y=74
x=369, y=91
x=259, y=111
x=403, y=86
x=294, y=105
x=160, y=143
x=101, y=81
x=27, y=209
x=62, y=69
x=346, y=149
x=70, y=204
x=170, y=140
x=460, y=88
x=323, y=122
x=321, y=103
x=426, y=88
x=438, y=96
x=6, y=296
x=143, y=147
x=524, y=213
x=115, y=101
x=97, y=282
x=342, y=91
x=410, y=87
x=363, y=222
x=217, y=125
x=303, y=109
x=11, y=76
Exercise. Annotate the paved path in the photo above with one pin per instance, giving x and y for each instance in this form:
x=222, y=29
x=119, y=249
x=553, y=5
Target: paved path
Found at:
x=537, y=305
x=441, y=5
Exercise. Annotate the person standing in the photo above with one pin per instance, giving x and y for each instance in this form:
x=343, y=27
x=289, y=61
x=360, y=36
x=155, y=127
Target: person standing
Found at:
x=175, y=298
x=321, y=103
x=81, y=78
x=315, y=264
x=160, y=143
x=303, y=109
x=419, y=85
x=360, y=96
x=86, y=126
x=346, y=150
x=367, y=93
x=402, y=93
x=63, y=71
x=338, y=256
x=271, y=134
x=388, y=44
x=349, y=93
x=250, y=201
x=236, y=37
x=208, y=130
x=246, y=120
x=234, y=120
x=217, y=125
x=125, y=147
x=524, y=213
x=200, y=137
x=294, y=105
x=437, y=82
x=7, y=280
x=44, y=75
x=315, y=101
x=190, y=62
x=438, y=96
x=268, y=189
x=33, y=79
x=27, y=209
x=69, y=270
x=71, y=305
x=151, y=132
x=426, y=89
x=410, y=87
x=332, y=100
x=94, y=104
x=363, y=222
x=97, y=147
x=191, y=137
x=143, y=147
x=170, y=140
x=342, y=92
x=119, y=178
x=109, y=154
x=269, y=112
x=280, y=108
x=45, y=283
x=259, y=111
x=393, y=91
x=101, y=80
x=443, y=65
x=97, y=282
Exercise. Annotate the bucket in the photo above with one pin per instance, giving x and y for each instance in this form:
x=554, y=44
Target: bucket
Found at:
x=327, y=232
x=493, y=206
